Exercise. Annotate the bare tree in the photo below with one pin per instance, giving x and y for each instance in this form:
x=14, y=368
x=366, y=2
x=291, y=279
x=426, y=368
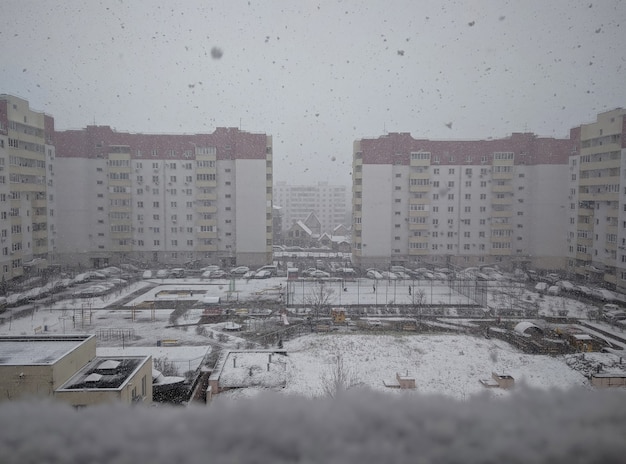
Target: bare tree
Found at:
x=319, y=299
x=418, y=299
x=339, y=379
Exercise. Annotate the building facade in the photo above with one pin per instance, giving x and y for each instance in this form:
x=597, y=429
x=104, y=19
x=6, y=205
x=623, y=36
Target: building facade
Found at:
x=170, y=199
x=330, y=203
x=460, y=203
x=27, y=188
x=596, y=241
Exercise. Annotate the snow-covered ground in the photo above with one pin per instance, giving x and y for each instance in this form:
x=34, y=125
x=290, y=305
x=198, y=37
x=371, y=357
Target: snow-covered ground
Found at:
x=447, y=364
x=452, y=365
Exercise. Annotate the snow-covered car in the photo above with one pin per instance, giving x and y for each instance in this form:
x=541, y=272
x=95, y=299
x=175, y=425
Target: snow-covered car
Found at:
x=373, y=274
x=307, y=272
x=389, y=275
x=239, y=270
x=210, y=268
x=162, y=274
x=602, y=294
x=147, y=274
x=402, y=275
x=582, y=290
x=614, y=316
x=317, y=274
x=219, y=274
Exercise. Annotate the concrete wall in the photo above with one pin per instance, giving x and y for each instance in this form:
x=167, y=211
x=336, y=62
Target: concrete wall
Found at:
x=607, y=381
x=250, y=212
x=377, y=213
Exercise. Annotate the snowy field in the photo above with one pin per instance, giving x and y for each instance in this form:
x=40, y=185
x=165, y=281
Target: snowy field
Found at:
x=451, y=365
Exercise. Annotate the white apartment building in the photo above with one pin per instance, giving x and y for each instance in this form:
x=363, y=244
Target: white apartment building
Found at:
x=596, y=241
x=330, y=203
x=170, y=199
x=27, y=199
x=466, y=203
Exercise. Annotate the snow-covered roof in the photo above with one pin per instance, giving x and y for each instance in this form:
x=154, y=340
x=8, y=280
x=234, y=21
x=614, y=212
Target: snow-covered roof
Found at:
x=523, y=326
x=35, y=350
x=253, y=368
x=304, y=227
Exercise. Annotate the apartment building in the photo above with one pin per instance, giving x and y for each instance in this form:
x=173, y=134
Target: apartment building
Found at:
x=460, y=203
x=596, y=241
x=27, y=199
x=330, y=203
x=167, y=199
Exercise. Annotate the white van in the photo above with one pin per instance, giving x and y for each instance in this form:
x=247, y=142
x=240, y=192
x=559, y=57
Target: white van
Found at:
x=271, y=268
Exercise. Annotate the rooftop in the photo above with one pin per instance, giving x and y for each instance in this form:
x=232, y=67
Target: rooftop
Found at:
x=105, y=373
x=38, y=349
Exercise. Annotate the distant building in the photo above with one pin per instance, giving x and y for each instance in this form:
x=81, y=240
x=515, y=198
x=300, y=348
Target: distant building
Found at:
x=300, y=235
x=66, y=367
x=168, y=199
x=28, y=233
x=329, y=203
x=596, y=207
x=277, y=225
x=464, y=203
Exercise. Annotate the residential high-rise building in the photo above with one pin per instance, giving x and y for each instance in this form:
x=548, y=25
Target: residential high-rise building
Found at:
x=463, y=203
x=27, y=202
x=170, y=199
x=330, y=203
x=596, y=241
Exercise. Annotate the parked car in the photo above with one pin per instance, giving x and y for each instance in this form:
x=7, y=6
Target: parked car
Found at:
x=178, y=273
x=209, y=268
x=614, y=316
x=239, y=270
x=271, y=268
x=402, y=275
x=389, y=275
x=317, y=274
x=552, y=278
x=602, y=294
x=610, y=307
x=396, y=269
x=373, y=274
x=162, y=273
x=216, y=274
x=147, y=274
x=307, y=272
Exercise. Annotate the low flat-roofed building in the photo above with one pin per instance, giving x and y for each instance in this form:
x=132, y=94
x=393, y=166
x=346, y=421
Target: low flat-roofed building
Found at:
x=66, y=367
x=38, y=365
x=125, y=379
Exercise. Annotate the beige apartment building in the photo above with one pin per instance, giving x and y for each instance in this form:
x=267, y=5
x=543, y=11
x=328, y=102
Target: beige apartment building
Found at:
x=27, y=188
x=164, y=199
x=596, y=240
x=66, y=367
x=460, y=203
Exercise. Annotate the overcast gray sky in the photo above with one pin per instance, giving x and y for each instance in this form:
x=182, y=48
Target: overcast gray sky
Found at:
x=317, y=75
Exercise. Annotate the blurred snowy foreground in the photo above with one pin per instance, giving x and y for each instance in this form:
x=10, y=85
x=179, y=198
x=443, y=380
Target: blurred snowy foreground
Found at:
x=358, y=426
